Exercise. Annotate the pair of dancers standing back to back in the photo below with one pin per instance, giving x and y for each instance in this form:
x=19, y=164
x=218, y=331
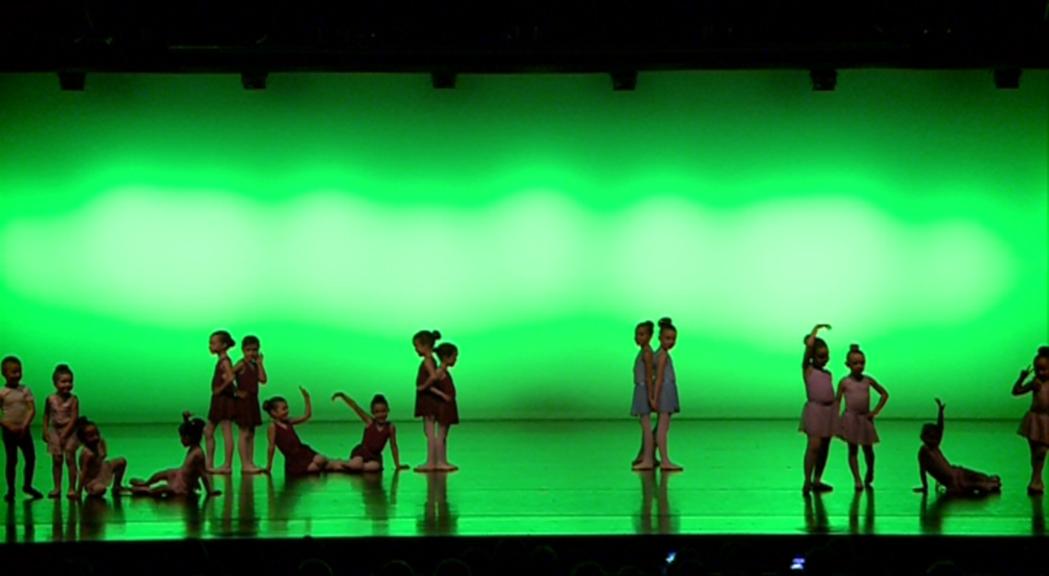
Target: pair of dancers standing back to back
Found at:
x=435, y=398
x=234, y=399
x=655, y=390
x=821, y=420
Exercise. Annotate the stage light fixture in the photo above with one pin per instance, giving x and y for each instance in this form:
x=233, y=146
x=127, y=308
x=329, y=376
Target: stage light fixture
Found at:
x=72, y=81
x=443, y=80
x=624, y=81
x=824, y=79
x=253, y=80
x=1007, y=78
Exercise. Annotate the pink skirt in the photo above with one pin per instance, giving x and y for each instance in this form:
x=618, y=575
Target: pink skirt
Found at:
x=819, y=420
x=857, y=429
x=1035, y=427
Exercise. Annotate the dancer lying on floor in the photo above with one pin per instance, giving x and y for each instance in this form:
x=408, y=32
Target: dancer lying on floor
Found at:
x=956, y=481
x=183, y=481
x=299, y=458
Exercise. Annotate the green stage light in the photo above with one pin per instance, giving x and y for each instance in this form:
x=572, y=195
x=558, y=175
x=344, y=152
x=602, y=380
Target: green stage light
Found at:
x=534, y=220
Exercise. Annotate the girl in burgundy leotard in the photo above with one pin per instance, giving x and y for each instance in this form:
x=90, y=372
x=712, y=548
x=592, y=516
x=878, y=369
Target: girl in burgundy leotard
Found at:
x=249, y=372
x=427, y=395
x=223, y=407
x=448, y=410
x=299, y=458
x=367, y=456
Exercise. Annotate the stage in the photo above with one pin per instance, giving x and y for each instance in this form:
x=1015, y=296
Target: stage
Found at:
x=558, y=479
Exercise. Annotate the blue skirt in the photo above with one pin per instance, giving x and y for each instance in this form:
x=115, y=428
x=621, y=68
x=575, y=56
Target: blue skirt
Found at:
x=640, y=406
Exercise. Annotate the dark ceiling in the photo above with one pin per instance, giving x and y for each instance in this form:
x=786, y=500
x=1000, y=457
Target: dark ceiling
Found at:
x=515, y=36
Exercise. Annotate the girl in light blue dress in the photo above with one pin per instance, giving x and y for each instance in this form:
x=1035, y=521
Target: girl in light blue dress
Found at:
x=663, y=396
x=644, y=370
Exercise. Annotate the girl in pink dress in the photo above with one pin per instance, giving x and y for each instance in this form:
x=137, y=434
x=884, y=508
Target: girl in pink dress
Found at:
x=857, y=422
x=956, y=480
x=367, y=456
x=299, y=458
x=61, y=411
x=1035, y=425
x=223, y=408
x=97, y=472
x=819, y=416
x=186, y=479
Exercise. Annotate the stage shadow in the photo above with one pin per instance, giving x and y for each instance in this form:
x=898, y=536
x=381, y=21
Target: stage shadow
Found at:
x=932, y=515
x=64, y=531
x=27, y=528
x=1037, y=515
x=655, y=492
x=247, y=519
x=816, y=521
x=282, y=503
x=377, y=501
x=439, y=517
x=868, y=514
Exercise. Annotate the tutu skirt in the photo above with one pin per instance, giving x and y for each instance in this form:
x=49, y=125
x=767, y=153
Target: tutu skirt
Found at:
x=856, y=428
x=1035, y=427
x=819, y=420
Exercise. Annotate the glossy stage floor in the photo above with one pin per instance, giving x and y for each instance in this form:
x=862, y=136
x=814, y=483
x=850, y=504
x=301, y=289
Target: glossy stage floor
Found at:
x=559, y=479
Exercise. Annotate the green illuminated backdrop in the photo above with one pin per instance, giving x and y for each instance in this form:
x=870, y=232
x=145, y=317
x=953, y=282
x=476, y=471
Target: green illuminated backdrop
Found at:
x=534, y=220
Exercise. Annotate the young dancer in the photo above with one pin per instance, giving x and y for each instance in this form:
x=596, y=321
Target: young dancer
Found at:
x=182, y=481
x=96, y=472
x=19, y=409
x=299, y=459
x=857, y=423
x=427, y=396
x=61, y=411
x=663, y=396
x=819, y=417
x=1035, y=424
x=367, y=456
x=223, y=407
x=250, y=373
x=957, y=481
x=644, y=372
x=448, y=409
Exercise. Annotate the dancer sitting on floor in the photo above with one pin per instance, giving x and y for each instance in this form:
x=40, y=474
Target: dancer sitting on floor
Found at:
x=96, y=472
x=955, y=480
x=299, y=458
x=819, y=417
x=857, y=422
x=367, y=456
x=1035, y=425
x=182, y=481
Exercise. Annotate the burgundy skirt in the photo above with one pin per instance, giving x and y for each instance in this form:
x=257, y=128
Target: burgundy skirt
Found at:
x=222, y=408
x=248, y=412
